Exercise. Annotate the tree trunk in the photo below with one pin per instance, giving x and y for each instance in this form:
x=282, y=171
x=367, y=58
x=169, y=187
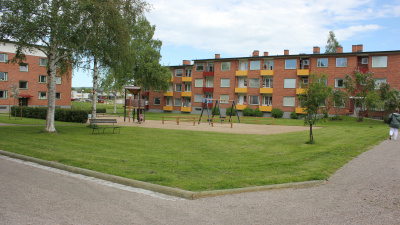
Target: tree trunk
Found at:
x=115, y=102
x=95, y=78
x=311, y=134
x=51, y=94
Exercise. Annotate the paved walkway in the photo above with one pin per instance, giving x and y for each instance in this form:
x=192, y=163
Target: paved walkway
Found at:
x=364, y=191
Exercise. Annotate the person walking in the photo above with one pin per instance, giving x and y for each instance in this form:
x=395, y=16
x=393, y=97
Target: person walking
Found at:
x=394, y=124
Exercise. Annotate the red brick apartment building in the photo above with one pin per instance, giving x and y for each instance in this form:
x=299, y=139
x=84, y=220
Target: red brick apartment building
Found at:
x=31, y=79
x=267, y=81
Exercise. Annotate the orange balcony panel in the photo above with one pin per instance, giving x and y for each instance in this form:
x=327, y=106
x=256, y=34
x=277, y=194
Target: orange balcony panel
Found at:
x=241, y=73
x=172, y=79
x=241, y=107
x=186, y=94
x=266, y=90
x=300, y=110
x=240, y=90
x=167, y=108
x=265, y=108
x=266, y=72
x=303, y=72
x=186, y=79
x=186, y=109
x=299, y=91
x=169, y=94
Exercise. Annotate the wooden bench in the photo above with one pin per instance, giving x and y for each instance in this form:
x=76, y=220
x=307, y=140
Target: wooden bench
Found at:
x=95, y=122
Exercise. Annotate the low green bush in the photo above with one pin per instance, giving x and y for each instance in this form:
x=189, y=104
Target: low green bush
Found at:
x=294, y=115
x=231, y=111
x=215, y=111
x=276, y=113
x=247, y=111
x=66, y=115
x=257, y=113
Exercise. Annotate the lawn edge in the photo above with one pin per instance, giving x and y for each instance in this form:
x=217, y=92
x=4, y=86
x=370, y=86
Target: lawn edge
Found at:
x=158, y=188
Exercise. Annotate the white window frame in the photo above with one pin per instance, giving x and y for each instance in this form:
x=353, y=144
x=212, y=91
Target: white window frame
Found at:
x=253, y=81
x=343, y=106
x=337, y=83
x=5, y=76
x=198, y=82
x=177, y=89
x=4, y=94
x=243, y=65
x=242, y=99
x=45, y=79
x=178, y=102
x=178, y=72
x=27, y=84
x=58, y=80
x=287, y=100
x=379, y=61
x=344, y=62
x=198, y=98
x=289, y=83
x=3, y=57
x=288, y=63
x=188, y=72
x=364, y=60
x=187, y=102
x=225, y=82
x=267, y=100
x=268, y=65
x=59, y=94
x=379, y=81
x=168, y=101
x=209, y=82
x=255, y=65
x=43, y=61
x=210, y=67
x=320, y=62
x=225, y=66
x=154, y=101
x=269, y=84
x=224, y=99
x=41, y=96
x=199, y=67
x=188, y=87
x=253, y=97
x=22, y=66
x=242, y=82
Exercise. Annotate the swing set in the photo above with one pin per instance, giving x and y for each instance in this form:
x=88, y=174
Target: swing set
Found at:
x=208, y=104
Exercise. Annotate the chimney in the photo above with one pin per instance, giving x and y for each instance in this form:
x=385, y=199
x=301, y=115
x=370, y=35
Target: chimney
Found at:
x=357, y=48
x=186, y=62
x=316, y=50
x=286, y=52
x=217, y=56
x=256, y=53
x=265, y=53
x=339, y=49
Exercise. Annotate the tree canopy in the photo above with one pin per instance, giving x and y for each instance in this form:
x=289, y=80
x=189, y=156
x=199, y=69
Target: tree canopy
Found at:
x=332, y=43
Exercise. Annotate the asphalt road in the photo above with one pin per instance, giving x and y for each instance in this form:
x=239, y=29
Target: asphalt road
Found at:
x=365, y=191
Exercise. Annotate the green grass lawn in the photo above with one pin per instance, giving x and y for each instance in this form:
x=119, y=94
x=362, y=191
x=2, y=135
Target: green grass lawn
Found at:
x=199, y=161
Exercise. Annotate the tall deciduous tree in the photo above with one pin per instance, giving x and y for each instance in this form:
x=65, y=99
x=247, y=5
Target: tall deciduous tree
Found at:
x=332, y=43
x=55, y=27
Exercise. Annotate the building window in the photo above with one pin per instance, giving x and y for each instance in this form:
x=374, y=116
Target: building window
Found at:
x=225, y=66
x=3, y=58
x=178, y=87
x=58, y=95
x=243, y=65
x=254, y=100
x=254, y=83
x=58, y=80
x=43, y=61
x=209, y=82
x=364, y=60
x=209, y=95
x=156, y=101
x=242, y=82
x=210, y=67
x=341, y=104
x=290, y=64
x=225, y=82
x=188, y=73
x=379, y=81
x=3, y=94
x=168, y=101
x=3, y=76
x=200, y=67
x=23, y=85
x=289, y=101
x=268, y=65
x=178, y=72
x=289, y=83
x=267, y=100
x=267, y=82
x=42, y=79
x=339, y=83
x=198, y=98
x=188, y=87
x=224, y=99
x=255, y=65
x=323, y=81
x=177, y=102
x=198, y=82
x=322, y=62
x=341, y=62
x=42, y=95
x=379, y=61
x=242, y=99
x=23, y=67
x=187, y=102
x=303, y=82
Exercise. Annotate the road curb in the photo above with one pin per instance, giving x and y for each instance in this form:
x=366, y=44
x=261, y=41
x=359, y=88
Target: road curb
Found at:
x=158, y=188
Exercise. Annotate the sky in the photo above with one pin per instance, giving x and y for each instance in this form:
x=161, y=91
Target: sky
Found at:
x=193, y=30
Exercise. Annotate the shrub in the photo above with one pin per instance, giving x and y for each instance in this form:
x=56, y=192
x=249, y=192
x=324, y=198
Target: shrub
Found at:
x=215, y=111
x=325, y=113
x=231, y=111
x=66, y=115
x=335, y=118
x=276, y=113
x=257, y=113
x=294, y=115
x=247, y=111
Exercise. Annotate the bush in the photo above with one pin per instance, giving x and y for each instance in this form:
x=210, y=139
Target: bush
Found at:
x=247, y=111
x=231, y=111
x=294, y=115
x=276, y=113
x=335, y=118
x=257, y=113
x=66, y=115
x=215, y=111
x=325, y=113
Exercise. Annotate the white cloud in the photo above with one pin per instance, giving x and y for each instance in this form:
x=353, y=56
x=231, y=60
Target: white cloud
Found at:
x=238, y=27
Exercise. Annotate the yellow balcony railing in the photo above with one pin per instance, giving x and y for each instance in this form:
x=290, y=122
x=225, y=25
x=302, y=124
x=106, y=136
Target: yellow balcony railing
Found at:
x=299, y=91
x=167, y=108
x=265, y=108
x=240, y=90
x=241, y=73
x=266, y=90
x=241, y=107
x=300, y=110
x=186, y=79
x=169, y=94
x=172, y=79
x=266, y=72
x=186, y=94
x=303, y=72
x=186, y=109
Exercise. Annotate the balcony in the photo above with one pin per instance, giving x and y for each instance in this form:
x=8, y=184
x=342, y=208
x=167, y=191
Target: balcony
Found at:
x=208, y=89
x=241, y=73
x=186, y=79
x=186, y=109
x=299, y=91
x=186, y=94
x=241, y=90
x=167, y=108
x=146, y=93
x=172, y=79
x=241, y=107
x=169, y=94
x=303, y=72
x=266, y=72
x=300, y=110
x=266, y=90
x=265, y=108
x=363, y=70
x=208, y=73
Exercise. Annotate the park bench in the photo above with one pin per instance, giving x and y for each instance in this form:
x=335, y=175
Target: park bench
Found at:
x=95, y=126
